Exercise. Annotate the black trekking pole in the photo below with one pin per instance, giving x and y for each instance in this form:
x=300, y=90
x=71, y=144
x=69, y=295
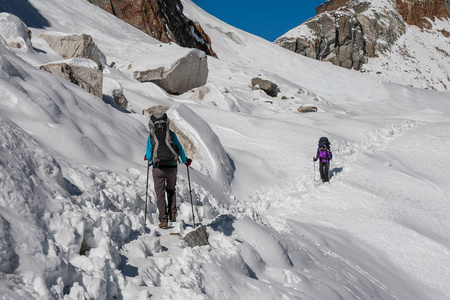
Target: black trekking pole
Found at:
x=314, y=169
x=328, y=166
x=190, y=193
x=146, y=198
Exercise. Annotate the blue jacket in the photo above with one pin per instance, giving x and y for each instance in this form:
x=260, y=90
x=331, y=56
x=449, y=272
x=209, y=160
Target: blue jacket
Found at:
x=175, y=140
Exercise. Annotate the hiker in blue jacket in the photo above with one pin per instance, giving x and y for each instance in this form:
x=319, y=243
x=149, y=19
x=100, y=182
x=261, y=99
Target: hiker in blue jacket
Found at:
x=165, y=171
x=324, y=155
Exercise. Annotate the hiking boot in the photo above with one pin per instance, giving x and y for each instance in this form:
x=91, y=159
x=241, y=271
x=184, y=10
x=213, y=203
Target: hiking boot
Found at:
x=163, y=225
x=173, y=217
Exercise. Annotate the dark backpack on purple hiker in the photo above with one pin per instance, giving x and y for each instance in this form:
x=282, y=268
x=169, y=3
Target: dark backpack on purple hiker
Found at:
x=324, y=140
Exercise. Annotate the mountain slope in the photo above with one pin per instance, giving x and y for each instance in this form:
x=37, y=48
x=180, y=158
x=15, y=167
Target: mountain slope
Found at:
x=406, y=42
x=72, y=174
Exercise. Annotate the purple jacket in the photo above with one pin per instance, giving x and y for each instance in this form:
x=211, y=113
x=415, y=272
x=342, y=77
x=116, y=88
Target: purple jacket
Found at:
x=324, y=155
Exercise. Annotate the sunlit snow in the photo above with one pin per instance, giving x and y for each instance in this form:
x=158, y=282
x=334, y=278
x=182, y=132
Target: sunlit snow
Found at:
x=72, y=173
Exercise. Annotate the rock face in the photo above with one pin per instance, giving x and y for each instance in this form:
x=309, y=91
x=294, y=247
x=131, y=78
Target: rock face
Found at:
x=348, y=32
x=190, y=71
x=330, y=5
x=90, y=79
x=416, y=12
x=163, y=20
x=73, y=46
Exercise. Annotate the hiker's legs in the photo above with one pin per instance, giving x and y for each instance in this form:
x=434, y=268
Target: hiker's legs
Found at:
x=171, y=175
x=322, y=170
x=159, y=180
x=326, y=170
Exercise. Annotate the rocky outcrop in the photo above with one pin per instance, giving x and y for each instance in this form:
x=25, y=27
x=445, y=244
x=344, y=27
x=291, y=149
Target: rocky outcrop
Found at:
x=74, y=46
x=88, y=78
x=348, y=32
x=416, y=12
x=267, y=86
x=163, y=20
x=331, y=5
x=190, y=71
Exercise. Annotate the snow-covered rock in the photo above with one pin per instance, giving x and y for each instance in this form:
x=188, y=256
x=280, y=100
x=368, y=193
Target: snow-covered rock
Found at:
x=267, y=86
x=82, y=72
x=14, y=32
x=114, y=90
x=73, y=46
x=187, y=72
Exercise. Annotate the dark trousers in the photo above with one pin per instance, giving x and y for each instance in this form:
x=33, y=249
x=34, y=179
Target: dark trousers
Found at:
x=165, y=180
x=323, y=168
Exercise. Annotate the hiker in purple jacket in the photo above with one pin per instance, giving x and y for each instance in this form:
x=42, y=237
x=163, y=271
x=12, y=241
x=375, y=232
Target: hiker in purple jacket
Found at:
x=324, y=155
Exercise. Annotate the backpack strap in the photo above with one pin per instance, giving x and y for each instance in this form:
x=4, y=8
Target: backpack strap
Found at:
x=169, y=142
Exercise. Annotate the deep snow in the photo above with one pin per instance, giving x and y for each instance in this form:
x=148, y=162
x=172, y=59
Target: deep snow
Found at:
x=72, y=169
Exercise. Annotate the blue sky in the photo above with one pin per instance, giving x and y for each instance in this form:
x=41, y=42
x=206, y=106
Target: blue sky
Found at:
x=268, y=19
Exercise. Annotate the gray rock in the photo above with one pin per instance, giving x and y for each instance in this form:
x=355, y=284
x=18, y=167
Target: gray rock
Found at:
x=189, y=72
x=120, y=99
x=198, y=237
x=89, y=79
x=267, y=86
x=305, y=109
x=16, y=45
x=74, y=46
x=158, y=109
x=84, y=247
x=9, y=260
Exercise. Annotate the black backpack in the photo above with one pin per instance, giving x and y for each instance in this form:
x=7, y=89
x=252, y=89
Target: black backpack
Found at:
x=164, y=151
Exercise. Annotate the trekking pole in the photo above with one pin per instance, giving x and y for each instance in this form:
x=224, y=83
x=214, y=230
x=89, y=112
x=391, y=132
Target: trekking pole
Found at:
x=314, y=169
x=146, y=197
x=329, y=164
x=190, y=193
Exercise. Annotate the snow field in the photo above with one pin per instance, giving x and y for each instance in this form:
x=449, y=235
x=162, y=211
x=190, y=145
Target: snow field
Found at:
x=72, y=170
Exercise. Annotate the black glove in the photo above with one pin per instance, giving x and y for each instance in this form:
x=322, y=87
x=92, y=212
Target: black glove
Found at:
x=188, y=162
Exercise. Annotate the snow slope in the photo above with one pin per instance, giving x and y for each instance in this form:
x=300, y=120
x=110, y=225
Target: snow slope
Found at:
x=72, y=173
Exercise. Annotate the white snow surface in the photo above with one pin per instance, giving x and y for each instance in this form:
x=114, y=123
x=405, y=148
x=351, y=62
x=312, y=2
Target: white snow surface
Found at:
x=72, y=170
